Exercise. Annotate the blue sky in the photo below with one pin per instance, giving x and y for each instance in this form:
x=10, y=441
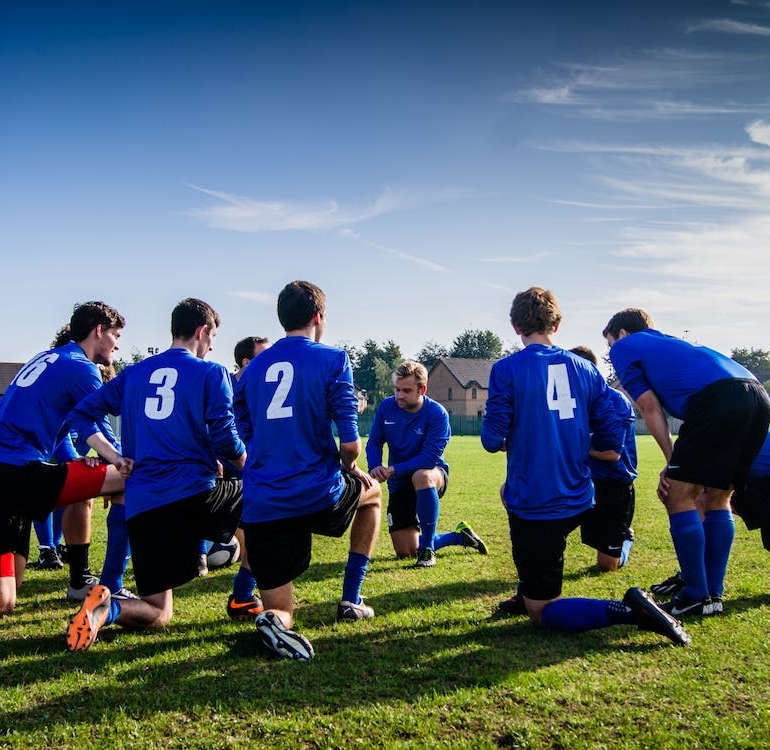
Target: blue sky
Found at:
x=420, y=161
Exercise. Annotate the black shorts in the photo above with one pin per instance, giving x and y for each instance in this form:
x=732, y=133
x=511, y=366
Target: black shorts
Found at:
x=538, y=553
x=14, y=534
x=752, y=504
x=402, y=504
x=606, y=524
x=31, y=490
x=279, y=551
x=165, y=541
x=724, y=428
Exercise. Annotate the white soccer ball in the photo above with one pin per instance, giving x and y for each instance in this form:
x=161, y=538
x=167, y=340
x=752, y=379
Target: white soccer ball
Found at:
x=223, y=554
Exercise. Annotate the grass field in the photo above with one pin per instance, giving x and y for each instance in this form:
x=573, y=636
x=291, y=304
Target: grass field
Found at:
x=433, y=669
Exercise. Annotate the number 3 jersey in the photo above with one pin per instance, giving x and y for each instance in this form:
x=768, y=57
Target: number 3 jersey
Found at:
x=176, y=417
x=287, y=400
x=35, y=406
x=548, y=407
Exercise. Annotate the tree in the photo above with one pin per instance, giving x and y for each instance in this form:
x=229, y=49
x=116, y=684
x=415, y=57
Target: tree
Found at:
x=431, y=353
x=373, y=367
x=136, y=356
x=756, y=361
x=476, y=344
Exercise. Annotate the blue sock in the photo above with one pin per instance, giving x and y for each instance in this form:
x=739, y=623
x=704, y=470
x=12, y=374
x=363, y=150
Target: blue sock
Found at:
x=114, y=612
x=58, y=534
x=427, y=515
x=204, y=545
x=719, y=528
x=574, y=615
x=244, y=584
x=118, y=551
x=355, y=572
x=447, y=539
x=44, y=532
x=625, y=551
x=690, y=545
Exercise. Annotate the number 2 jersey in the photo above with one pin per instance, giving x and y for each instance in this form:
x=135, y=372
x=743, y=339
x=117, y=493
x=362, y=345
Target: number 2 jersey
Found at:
x=549, y=406
x=176, y=417
x=34, y=409
x=288, y=398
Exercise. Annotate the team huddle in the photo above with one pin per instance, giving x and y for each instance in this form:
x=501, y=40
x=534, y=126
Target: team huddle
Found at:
x=203, y=455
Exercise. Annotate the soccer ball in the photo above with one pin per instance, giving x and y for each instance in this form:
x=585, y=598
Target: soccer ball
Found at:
x=222, y=554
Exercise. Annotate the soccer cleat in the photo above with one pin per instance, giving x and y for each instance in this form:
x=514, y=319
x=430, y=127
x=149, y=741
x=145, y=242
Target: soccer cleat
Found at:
x=349, y=612
x=247, y=610
x=61, y=550
x=670, y=586
x=513, y=605
x=48, y=559
x=717, y=607
x=203, y=566
x=79, y=594
x=123, y=593
x=471, y=538
x=426, y=558
x=650, y=616
x=84, y=628
x=276, y=637
x=680, y=606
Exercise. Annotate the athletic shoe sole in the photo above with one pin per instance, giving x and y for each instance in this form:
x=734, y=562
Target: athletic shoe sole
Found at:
x=650, y=616
x=84, y=628
x=244, y=610
x=276, y=637
x=472, y=539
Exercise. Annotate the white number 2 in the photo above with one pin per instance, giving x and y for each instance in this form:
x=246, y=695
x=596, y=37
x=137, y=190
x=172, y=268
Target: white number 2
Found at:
x=283, y=374
x=559, y=395
x=161, y=405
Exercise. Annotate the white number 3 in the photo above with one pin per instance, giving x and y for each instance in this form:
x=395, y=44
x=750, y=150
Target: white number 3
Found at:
x=559, y=395
x=161, y=405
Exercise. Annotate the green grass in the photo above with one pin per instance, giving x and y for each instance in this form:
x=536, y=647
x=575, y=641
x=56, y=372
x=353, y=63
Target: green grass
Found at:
x=433, y=669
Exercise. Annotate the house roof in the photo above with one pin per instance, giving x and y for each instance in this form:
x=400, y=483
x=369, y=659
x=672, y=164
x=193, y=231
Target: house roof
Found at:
x=467, y=371
x=8, y=372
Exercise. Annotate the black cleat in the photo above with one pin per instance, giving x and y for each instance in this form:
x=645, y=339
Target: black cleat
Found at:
x=650, y=616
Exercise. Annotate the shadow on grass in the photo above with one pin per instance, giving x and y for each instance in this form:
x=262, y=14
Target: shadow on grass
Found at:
x=401, y=655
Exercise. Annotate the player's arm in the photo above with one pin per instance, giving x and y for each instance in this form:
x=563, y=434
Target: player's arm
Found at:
x=498, y=416
x=349, y=453
x=220, y=419
x=604, y=455
x=655, y=418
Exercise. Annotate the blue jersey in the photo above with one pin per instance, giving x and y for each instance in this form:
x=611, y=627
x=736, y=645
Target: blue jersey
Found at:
x=624, y=469
x=761, y=466
x=34, y=409
x=416, y=440
x=547, y=406
x=289, y=396
x=177, y=416
x=230, y=470
x=672, y=368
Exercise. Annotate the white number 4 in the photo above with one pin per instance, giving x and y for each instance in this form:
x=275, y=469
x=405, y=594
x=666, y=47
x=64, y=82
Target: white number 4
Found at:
x=559, y=395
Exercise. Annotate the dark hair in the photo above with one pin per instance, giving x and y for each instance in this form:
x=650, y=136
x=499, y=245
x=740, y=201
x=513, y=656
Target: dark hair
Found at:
x=585, y=352
x=87, y=316
x=189, y=315
x=298, y=302
x=63, y=336
x=244, y=349
x=632, y=320
x=535, y=311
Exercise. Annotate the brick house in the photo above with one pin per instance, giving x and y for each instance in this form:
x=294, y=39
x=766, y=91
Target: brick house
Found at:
x=8, y=372
x=460, y=385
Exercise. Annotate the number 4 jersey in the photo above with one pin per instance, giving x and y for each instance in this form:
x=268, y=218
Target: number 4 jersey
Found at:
x=544, y=404
x=287, y=400
x=176, y=417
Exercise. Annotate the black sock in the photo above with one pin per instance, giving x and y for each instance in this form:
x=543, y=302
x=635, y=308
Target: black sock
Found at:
x=78, y=562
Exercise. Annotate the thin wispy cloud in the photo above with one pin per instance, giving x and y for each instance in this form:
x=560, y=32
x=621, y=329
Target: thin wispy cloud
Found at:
x=243, y=214
x=728, y=26
x=534, y=258
x=264, y=298
x=424, y=262
x=656, y=84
